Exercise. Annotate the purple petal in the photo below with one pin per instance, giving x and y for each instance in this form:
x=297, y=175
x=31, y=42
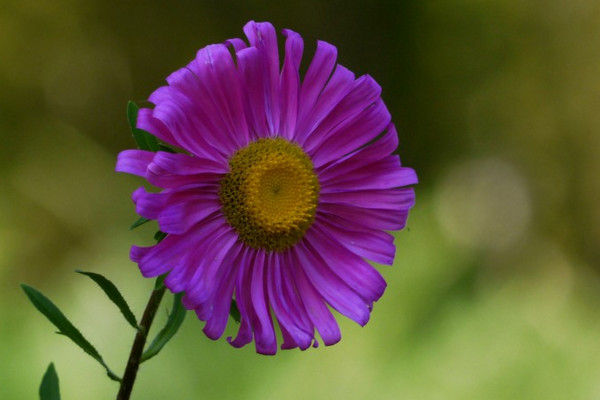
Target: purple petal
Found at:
x=316, y=77
x=388, y=220
x=173, y=170
x=205, y=262
x=352, y=134
x=264, y=334
x=375, y=152
x=353, y=270
x=134, y=161
x=183, y=164
x=383, y=174
x=218, y=72
x=178, y=217
x=253, y=87
x=391, y=199
x=290, y=83
x=317, y=311
x=160, y=258
x=184, y=114
x=262, y=35
x=200, y=239
x=147, y=204
x=221, y=302
x=297, y=334
x=370, y=244
x=236, y=43
x=147, y=122
x=333, y=290
x=192, y=111
x=244, y=304
x=341, y=82
x=363, y=94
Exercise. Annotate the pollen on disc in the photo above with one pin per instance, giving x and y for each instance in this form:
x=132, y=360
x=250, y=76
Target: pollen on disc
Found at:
x=269, y=196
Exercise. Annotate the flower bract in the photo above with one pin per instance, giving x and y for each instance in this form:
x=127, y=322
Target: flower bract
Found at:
x=284, y=188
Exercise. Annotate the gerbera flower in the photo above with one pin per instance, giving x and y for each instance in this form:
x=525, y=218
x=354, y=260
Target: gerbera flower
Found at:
x=285, y=189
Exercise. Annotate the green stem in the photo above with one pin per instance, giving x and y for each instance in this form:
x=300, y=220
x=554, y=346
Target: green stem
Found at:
x=138, y=344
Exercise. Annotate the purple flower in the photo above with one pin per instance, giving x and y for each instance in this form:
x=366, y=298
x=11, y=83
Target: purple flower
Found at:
x=285, y=189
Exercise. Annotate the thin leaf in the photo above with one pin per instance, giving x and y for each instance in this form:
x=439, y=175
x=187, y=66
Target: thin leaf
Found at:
x=114, y=295
x=138, y=222
x=163, y=147
x=159, y=236
x=132, y=112
x=160, y=282
x=235, y=312
x=49, y=389
x=144, y=140
x=65, y=327
x=176, y=318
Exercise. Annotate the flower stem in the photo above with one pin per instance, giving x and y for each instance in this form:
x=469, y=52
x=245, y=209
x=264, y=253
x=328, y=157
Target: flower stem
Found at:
x=138, y=344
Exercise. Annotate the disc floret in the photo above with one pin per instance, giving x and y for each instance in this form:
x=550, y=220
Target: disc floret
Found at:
x=269, y=196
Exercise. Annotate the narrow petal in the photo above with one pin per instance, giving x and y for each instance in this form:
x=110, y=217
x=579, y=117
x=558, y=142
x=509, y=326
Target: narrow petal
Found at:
x=160, y=258
x=236, y=43
x=179, y=217
x=264, y=334
x=134, y=162
x=339, y=85
x=370, y=244
x=354, y=271
x=263, y=37
x=148, y=123
x=296, y=334
x=290, y=83
x=173, y=170
x=183, y=164
x=200, y=239
x=352, y=134
x=296, y=307
x=206, y=259
x=329, y=285
x=242, y=297
x=147, y=204
x=383, y=174
x=364, y=93
x=391, y=199
x=388, y=220
x=253, y=88
x=317, y=75
x=184, y=115
x=193, y=113
x=221, y=78
x=379, y=149
x=221, y=302
x=313, y=302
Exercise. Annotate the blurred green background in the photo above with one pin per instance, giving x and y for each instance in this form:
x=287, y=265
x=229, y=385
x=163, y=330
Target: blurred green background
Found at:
x=496, y=290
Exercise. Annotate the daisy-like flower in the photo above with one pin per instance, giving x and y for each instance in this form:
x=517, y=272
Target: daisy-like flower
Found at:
x=286, y=188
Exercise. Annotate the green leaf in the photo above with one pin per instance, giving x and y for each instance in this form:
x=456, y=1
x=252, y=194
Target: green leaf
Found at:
x=160, y=282
x=163, y=147
x=144, y=140
x=65, y=327
x=159, y=236
x=235, y=312
x=49, y=389
x=175, y=320
x=138, y=222
x=114, y=295
x=132, y=112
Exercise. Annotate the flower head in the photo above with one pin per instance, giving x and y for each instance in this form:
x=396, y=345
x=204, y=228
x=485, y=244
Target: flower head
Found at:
x=285, y=188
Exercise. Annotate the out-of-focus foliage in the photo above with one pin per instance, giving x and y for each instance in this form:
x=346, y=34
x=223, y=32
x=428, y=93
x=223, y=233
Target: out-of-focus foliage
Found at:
x=495, y=293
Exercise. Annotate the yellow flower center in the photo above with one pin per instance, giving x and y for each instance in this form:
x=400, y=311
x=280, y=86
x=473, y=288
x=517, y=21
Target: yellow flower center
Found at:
x=269, y=196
